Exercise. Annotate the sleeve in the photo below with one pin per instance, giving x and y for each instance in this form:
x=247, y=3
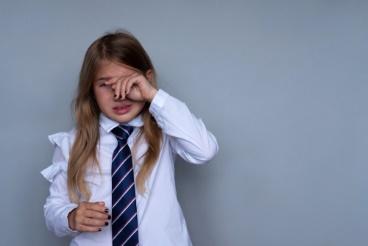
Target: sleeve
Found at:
x=58, y=205
x=188, y=135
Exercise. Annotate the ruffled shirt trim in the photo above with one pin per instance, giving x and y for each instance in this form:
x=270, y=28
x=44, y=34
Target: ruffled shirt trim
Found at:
x=60, y=140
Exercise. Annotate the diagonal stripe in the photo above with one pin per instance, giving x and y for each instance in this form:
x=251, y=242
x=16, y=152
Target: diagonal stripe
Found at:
x=120, y=138
x=122, y=186
x=122, y=179
x=124, y=222
x=120, y=165
x=130, y=236
x=127, y=206
x=123, y=219
x=132, y=241
x=124, y=130
x=118, y=152
x=127, y=223
x=123, y=195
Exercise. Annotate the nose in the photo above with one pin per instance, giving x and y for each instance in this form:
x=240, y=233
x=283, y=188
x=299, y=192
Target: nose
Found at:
x=117, y=98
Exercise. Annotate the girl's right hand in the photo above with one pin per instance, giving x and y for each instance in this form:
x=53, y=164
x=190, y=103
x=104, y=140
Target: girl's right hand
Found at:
x=89, y=217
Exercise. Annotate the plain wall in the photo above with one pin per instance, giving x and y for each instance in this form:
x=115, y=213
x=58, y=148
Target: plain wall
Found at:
x=282, y=84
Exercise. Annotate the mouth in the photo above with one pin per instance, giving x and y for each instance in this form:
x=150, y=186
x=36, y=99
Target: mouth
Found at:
x=122, y=109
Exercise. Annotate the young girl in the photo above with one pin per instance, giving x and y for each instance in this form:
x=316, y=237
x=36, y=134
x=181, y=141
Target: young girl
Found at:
x=112, y=176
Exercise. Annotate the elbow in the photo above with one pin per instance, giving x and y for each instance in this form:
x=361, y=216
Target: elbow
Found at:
x=212, y=150
x=198, y=152
x=209, y=152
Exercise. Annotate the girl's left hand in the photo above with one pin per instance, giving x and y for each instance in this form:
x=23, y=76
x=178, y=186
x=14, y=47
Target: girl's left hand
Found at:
x=135, y=87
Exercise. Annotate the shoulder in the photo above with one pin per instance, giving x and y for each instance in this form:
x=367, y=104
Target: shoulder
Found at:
x=59, y=137
x=63, y=141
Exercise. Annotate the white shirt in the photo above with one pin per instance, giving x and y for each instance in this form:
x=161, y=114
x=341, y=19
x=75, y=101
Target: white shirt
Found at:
x=160, y=218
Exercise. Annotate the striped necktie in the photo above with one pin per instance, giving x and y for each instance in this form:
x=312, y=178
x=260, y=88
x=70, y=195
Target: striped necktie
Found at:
x=124, y=209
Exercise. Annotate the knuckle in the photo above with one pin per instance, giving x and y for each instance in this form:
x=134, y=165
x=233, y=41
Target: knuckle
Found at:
x=102, y=216
x=83, y=221
x=97, y=223
x=83, y=205
x=79, y=212
x=88, y=221
x=87, y=213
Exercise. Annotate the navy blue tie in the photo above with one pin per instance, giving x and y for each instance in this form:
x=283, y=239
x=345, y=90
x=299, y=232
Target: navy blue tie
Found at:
x=124, y=209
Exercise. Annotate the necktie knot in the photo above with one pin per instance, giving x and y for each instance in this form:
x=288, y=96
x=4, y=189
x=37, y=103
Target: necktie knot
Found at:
x=122, y=132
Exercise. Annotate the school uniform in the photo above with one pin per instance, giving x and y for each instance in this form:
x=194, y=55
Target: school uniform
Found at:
x=160, y=218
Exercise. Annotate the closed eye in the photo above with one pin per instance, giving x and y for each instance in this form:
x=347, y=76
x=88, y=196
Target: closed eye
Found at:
x=101, y=83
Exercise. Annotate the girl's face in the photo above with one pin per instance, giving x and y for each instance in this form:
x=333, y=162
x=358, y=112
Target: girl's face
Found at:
x=120, y=110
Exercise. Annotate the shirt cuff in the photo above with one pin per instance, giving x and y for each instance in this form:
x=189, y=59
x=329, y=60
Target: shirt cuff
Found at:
x=65, y=222
x=157, y=104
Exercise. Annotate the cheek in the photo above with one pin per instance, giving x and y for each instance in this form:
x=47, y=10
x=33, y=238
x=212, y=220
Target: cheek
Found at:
x=102, y=96
x=138, y=107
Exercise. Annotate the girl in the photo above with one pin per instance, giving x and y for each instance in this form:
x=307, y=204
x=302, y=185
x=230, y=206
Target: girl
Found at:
x=112, y=176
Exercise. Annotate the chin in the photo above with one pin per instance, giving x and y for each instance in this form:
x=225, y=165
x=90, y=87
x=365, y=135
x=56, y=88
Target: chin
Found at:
x=123, y=118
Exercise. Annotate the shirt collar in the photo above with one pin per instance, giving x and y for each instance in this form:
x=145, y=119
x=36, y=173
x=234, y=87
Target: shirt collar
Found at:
x=108, y=124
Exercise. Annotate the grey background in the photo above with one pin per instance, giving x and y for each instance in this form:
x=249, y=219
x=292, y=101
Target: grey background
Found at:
x=282, y=84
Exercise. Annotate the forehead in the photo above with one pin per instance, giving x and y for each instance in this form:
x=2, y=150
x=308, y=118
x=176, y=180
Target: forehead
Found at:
x=106, y=68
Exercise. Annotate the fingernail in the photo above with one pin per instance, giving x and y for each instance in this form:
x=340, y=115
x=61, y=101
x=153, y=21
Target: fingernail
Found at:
x=109, y=217
x=106, y=210
x=99, y=229
x=106, y=223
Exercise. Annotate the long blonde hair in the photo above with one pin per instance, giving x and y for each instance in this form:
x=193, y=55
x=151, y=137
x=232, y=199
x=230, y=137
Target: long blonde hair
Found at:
x=122, y=47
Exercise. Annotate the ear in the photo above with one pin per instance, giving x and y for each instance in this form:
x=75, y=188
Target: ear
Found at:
x=149, y=75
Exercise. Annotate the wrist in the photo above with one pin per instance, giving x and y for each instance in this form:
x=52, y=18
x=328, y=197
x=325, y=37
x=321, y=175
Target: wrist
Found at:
x=71, y=219
x=152, y=94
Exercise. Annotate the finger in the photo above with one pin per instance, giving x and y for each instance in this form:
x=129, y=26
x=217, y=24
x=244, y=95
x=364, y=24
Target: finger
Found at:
x=122, y=89
x=114, y=80
x=117, y=89
x=84, y=228
x=97, y=215
x=95, y=206
x=123, y=79
x=100, y=203
x=93, y=222
x=129, y=85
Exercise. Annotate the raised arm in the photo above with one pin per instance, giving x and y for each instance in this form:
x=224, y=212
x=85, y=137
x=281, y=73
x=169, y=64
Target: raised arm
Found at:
x=189, y=136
